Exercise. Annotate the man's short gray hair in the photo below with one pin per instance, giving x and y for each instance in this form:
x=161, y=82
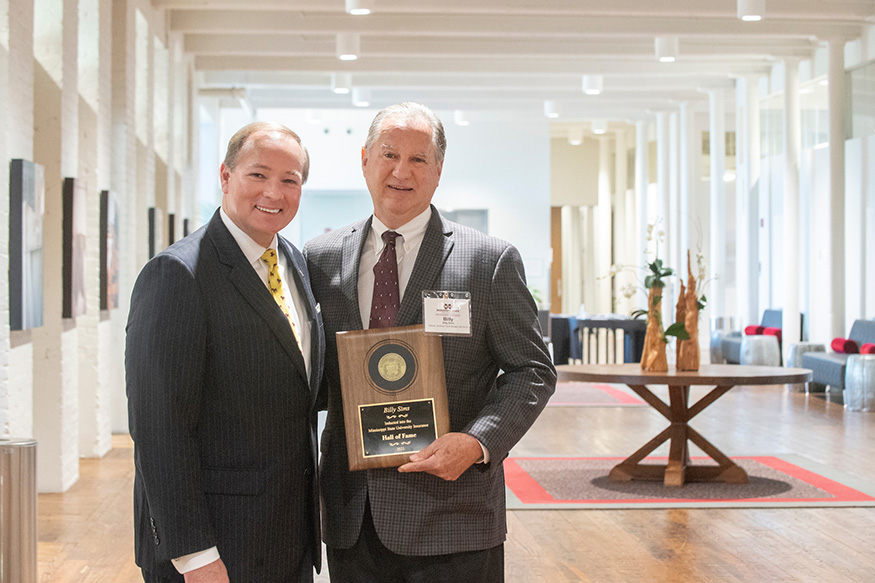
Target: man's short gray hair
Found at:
x=409, y=110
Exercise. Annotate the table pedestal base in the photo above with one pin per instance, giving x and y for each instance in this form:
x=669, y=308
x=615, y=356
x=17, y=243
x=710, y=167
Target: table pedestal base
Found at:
x=679, y=470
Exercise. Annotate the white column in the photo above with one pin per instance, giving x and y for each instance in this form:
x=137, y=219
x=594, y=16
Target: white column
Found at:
x=687, y=165
x=792, y=147
x=717, y=224
x=677, y=254
x=621, y=211
x=746, y=205
x=603, y=231
x=836, y=293
x=641, y=177
x=664, y=226
x=56, y=147
x=123, y=178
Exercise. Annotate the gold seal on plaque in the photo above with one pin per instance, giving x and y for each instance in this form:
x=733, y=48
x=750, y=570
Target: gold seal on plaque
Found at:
x=392, y=366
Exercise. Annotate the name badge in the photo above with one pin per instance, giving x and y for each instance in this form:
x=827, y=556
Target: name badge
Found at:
x=447, y=313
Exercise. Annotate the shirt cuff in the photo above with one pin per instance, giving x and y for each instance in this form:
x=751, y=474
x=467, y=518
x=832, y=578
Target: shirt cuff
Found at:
x=485, y=458
x=187, y=563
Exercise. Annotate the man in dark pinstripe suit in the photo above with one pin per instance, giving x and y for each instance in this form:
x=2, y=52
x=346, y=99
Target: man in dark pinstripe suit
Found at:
x=222, y=377
x=440, y=517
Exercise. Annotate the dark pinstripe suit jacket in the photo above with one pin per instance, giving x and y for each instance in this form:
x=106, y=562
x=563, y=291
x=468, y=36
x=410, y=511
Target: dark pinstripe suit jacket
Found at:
x=221, y=412
x=419, y=514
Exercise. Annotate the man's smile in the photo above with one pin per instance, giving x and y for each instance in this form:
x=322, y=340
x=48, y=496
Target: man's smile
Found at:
x=267, y=210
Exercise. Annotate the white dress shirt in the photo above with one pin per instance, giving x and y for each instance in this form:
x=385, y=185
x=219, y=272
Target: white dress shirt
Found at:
x=412, y=234
x=406, y=251
x=298, y=313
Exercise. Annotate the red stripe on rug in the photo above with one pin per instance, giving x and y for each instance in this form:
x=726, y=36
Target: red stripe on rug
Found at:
x=526, y=488
x=841, y=491
x=623, y=397
x=529, y=491
x=577, y=394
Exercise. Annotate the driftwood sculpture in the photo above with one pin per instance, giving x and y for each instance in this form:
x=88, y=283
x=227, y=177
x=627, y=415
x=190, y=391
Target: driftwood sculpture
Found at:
x=688, y=350
x=653, y=357
x=679, y=316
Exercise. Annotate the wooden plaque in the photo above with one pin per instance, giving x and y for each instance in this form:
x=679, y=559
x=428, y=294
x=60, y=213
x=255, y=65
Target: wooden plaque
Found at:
x=394, y=394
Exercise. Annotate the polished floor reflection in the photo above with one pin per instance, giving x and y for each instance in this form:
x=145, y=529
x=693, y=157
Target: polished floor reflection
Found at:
x=86, y=534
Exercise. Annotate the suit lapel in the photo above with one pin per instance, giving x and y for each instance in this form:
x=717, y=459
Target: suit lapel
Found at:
x=253, y=290
x=436, y=247
x=349, y=272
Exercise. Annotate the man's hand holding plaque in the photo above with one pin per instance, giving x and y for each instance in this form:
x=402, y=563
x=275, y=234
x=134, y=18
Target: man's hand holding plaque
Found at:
x=447, y=457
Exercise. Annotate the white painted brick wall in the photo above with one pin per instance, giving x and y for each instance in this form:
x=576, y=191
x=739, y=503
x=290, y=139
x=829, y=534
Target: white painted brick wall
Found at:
x=69, y=375
x=111, y=331
x=19, y=144
x=55, y=344
x=5, y=430
x=124, y=175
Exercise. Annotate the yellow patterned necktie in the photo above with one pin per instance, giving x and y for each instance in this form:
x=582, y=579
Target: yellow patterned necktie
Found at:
x=275, y=284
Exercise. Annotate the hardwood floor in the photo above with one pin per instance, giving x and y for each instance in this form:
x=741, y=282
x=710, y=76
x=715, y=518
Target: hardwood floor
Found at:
x=85, y=535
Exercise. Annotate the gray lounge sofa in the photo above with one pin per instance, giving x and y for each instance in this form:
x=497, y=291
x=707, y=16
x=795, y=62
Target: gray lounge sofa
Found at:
x=829, y=367
x=731, y=346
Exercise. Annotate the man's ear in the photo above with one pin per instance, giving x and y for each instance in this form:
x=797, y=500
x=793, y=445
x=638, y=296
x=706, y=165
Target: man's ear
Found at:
x=224, y=177
x=364, y=158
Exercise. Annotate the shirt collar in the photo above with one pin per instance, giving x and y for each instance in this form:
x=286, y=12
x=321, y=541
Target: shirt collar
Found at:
x=251, y=250
x=411, y=232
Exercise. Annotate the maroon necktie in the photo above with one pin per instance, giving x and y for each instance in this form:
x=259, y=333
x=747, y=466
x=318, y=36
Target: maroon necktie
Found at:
x=385, y=302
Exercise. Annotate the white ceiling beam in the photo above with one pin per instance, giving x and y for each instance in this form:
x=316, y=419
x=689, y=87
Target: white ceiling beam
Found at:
x=439, y=80
x=702, y=67
x=324, y=45
x=291, y=22
x=819, y=9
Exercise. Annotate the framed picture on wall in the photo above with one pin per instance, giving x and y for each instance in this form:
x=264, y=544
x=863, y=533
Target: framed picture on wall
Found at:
x=74, y=229
x=27, y=199
x=109, y=251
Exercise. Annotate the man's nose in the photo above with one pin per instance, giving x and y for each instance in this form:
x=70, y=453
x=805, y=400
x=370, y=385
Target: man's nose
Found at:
x=401, y=169
x=272, y=189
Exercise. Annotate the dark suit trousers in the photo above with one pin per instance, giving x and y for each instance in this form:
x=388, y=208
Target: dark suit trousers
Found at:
x=369, y=561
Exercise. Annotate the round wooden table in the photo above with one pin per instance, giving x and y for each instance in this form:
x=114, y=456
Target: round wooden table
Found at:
x=679, y=412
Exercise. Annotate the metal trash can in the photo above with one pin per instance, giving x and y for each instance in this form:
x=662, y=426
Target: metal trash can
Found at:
x=18, y=510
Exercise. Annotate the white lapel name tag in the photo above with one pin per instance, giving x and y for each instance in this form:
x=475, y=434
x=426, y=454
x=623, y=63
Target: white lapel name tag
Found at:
x=446, y=313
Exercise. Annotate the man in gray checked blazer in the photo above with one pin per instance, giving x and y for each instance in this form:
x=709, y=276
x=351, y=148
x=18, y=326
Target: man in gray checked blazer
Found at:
x=440, y=517
x=221, y=393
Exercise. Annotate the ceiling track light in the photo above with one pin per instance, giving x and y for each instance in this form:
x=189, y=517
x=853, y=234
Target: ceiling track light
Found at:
x=575, y=136
x=593, y=84
x=751, y=10
x=361, y=97
x=359, y=7
x=599, y=126
x=666, y=49
x=348, y=46
x=550, y=109
x=459, y=118
x=341, y=83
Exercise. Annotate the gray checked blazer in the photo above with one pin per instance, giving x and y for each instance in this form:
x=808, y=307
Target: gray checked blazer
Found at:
x=222, y=413
x=498, y=381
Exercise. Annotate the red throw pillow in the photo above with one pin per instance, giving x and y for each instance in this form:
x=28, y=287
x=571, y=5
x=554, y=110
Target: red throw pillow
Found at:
x=753, y=330
x=867, y=348
x=773, y=332
x=844, y=346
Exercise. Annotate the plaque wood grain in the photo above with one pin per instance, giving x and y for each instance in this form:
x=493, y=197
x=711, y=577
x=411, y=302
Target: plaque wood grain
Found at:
x=369, y=376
